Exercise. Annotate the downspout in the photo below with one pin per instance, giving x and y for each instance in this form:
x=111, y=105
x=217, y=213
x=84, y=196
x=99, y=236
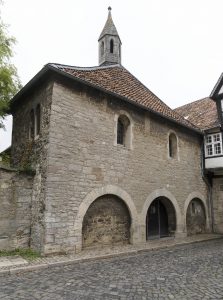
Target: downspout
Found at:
x=209, y=186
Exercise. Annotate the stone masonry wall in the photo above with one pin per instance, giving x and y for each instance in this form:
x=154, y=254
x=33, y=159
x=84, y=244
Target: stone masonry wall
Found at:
x=108, y=57
x=217, y=197
x=83, y=156
x=15, y=212
x=32, y=153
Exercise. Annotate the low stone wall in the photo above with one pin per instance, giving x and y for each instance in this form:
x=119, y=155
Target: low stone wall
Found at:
x=15, y=212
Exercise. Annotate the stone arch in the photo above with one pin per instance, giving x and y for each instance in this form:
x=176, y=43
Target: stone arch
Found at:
x=154, y=195
x=196, y=195
x=91, y=197
x=106, y=222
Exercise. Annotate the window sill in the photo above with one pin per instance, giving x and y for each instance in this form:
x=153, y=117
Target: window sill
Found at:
x=173, y=158
x=120, y=146
x=214, y=156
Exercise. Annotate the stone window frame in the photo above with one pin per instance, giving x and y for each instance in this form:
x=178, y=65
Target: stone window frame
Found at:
x=128, y=144
x=35, y=122
x=176, y=155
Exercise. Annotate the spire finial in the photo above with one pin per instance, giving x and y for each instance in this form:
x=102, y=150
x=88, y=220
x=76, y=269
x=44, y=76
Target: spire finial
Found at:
x=109, y=8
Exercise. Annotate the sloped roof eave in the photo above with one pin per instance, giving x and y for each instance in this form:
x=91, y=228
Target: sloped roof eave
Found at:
x=29, y=85
x=109, y=35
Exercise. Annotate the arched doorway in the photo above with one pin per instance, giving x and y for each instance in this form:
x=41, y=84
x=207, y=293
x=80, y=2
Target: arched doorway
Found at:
x=106, y=222
x=160, y=219
x=196, y=217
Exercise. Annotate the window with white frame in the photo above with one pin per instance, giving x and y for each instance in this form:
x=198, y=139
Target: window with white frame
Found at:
x=213, y=144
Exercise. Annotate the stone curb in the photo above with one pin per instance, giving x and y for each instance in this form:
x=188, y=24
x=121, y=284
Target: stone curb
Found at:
x=28, y=268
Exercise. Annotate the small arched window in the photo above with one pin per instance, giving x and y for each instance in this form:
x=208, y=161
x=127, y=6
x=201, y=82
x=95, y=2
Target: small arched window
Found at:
x=32, y=124
x=172, y=145
x=120, y=132
x=102, y=48
x=37, y=119
x=111, y=46
x=123, y=131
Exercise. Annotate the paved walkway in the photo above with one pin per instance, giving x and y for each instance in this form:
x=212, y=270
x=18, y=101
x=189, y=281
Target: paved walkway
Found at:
x=183, y=272
x=16, y=264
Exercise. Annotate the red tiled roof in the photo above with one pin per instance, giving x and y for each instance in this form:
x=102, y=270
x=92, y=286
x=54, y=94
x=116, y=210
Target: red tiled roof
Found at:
x=202, y=113
x=117, y=80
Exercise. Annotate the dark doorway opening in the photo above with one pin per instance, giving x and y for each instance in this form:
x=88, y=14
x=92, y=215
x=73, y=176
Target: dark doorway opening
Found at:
x=161, y=219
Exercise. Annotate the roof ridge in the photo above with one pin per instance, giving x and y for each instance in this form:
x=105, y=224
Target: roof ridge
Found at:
x=56, y=65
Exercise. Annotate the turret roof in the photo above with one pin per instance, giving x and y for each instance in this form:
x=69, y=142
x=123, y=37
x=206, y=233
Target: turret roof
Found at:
x=109, y=27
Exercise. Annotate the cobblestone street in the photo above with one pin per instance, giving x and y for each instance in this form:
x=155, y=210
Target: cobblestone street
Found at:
x=192, y=271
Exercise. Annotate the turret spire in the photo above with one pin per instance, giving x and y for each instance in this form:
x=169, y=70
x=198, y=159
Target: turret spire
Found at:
x=109, y=43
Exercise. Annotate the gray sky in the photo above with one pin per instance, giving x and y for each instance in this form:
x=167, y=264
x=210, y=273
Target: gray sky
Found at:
x=174, y=47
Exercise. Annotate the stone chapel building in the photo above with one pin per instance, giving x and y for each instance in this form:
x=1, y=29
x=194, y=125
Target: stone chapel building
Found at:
x=98, y=159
